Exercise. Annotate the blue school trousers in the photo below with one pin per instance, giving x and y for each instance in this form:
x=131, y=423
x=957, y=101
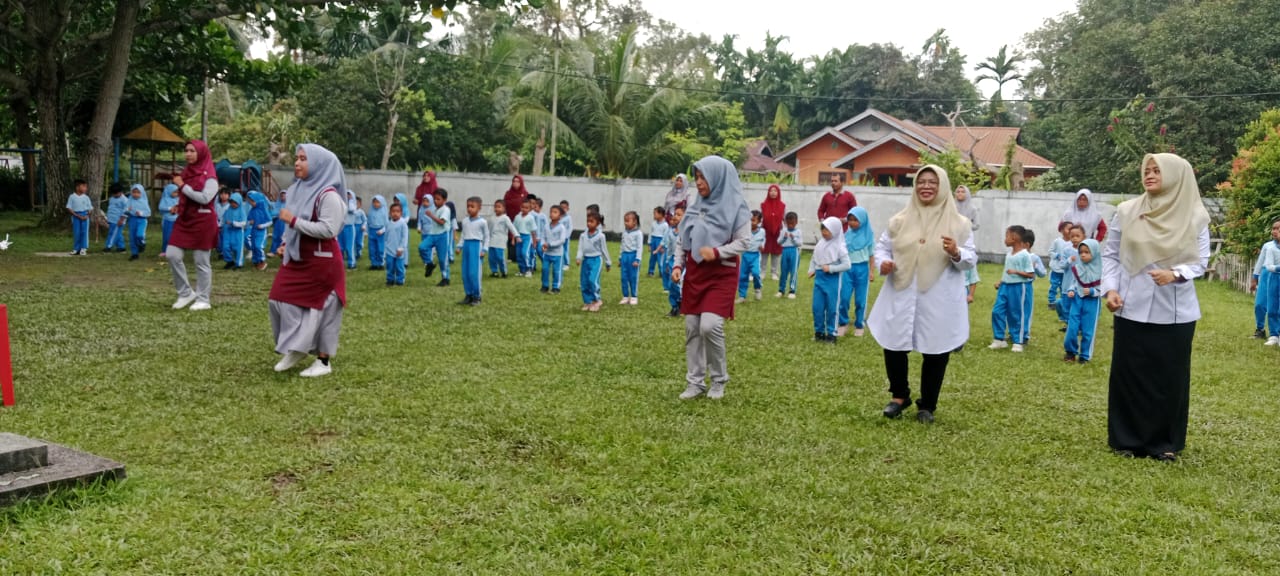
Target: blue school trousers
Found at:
x=853, y=290
x=376, y=247
x=498, y=260
x=258, y=244
x=524, y=253
x=79, y=232
x=1272, y=300
x=137, y=234
x=439, y=244
x=826, y=297
x=233, y=246
x=674, y=292
x=395, y=268
x=471, y=268
x=1262, y=301
x=629, y=265
x=1007, y=314
x=552, y=272
x=749, y=269
x=166, y=228
x=655, y=259
x=347, y=240
x=664, y=269
x=1081, y=324
x=1029, y=308
x=589, y=279
x=359, y=244
x=115, y=236
x=277, y=234
x=1056, y=296
x=790, y=270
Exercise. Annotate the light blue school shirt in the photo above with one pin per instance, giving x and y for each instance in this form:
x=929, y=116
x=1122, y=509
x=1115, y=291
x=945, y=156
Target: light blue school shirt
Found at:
x=138, y=207
x=756, y=241
x=790, y=238
x=116, y=207
x=632, y=240
x=429, y=226
x=553, y=241
x=476, y=229
x=1021, y=262
x=500, y=229
x=1268, y=259
x=1057, y=260
x=525, y=224
x=362, y=219
x=592, y=245
x=658, y=229
x=79, y=203
x=396, y=237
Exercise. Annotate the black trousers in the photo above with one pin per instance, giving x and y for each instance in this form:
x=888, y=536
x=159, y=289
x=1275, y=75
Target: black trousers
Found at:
x=931, y=375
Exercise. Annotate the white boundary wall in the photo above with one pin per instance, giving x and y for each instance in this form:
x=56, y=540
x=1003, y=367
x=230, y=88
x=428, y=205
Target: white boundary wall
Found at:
x=998, y=209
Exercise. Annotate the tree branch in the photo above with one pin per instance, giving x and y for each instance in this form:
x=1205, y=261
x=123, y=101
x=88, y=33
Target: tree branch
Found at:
x=93, y=41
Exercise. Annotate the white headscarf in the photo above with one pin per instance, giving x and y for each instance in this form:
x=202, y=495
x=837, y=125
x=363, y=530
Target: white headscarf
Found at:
x=1163, y=228
x=324, y=172
x=830, y=251
x=1089, y=218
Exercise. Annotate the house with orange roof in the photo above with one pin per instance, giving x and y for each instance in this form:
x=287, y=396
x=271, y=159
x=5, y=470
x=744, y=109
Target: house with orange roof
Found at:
x=876, y=148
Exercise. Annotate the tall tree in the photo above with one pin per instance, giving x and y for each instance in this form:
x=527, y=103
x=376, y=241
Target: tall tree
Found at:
x=1001, y=69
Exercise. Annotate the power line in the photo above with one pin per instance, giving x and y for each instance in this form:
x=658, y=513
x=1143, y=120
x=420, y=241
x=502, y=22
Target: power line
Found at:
x=826, y=98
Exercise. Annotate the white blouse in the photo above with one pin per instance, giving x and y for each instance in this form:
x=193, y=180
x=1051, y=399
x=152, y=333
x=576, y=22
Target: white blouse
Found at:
x=934, y=322
x=1144, y=301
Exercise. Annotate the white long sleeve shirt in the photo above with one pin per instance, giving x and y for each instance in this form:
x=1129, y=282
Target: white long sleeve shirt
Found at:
x=932, y=322
x=1144, y=301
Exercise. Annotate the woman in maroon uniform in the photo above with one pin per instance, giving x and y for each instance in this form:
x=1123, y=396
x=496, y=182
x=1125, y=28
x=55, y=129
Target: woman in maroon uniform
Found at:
x=310, y=290
x=715, y=230
x=196, y=228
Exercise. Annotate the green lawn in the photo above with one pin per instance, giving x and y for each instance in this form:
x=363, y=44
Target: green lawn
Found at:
x=526, y=437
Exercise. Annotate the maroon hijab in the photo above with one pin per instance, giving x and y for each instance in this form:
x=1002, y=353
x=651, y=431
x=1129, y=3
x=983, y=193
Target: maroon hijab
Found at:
x=515, y=195
x=195, y=174
x=426, y=189
x=772, y=210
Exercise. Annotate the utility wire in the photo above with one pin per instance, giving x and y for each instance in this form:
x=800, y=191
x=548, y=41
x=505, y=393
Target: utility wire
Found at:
x=746, y=94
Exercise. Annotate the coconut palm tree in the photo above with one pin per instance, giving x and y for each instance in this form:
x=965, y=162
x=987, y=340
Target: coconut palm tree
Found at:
x=1001, y=69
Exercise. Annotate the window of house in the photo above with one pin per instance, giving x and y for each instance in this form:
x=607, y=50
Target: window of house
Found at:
x=824, y=178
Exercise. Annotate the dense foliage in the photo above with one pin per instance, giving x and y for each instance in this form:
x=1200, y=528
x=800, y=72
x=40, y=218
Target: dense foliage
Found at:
x=1253, y=189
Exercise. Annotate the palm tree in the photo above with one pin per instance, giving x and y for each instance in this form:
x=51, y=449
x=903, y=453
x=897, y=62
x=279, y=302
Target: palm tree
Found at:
x=1002, y=69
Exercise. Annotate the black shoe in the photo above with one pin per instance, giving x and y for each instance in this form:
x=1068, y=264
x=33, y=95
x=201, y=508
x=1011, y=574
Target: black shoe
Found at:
x=819, y=337
x=443, y=282
x=1082, y=361
x=106, y=250
x=1069, y=357
x=545, y=290
x=1170, y=457
x=675, y=312
x=134, y=257
x=390, y=283
x=229, y=266
x=475, y=301
x=1062, y=329
x=431, y=267
x=119, y=249
x=894, y=409
x=465, y=301
x=555, y=290
x=1259, y=334
x=1124, y=453
x=924, y=416
x=504, y=274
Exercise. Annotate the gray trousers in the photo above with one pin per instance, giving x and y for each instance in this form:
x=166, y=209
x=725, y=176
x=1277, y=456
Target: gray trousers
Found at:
x=204, y=272
x=772, y=260
x=299, y=329
x=704, y=349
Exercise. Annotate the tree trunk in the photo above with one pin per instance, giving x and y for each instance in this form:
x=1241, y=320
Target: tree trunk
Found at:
x=57, y=164
x=93, y=162
x=26, y=140
x=391, y=136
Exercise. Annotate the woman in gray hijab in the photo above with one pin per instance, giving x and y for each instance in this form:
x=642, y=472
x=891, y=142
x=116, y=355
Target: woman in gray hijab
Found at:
x=714, y=232
x=966, y=206
x=677, y=196
x=309, y=292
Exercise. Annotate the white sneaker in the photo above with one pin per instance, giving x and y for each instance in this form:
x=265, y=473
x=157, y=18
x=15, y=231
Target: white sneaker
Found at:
x=198, y=306
x=183, y=301
x=1017, y=347
x=758, y=294
x=691, y=392
x=290, y=360
x=317, y=369
x=1272, y=341
x=858, y=332
x=791, y=296
x=998, y=345
x=717, y=391
x=778, y=295
x=774, y=276
x=635, y=301
x=624, y=302
x=740, y=300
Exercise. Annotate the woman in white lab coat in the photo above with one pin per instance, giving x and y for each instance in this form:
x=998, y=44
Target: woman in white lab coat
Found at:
x=1157, y=245
x=921, y=307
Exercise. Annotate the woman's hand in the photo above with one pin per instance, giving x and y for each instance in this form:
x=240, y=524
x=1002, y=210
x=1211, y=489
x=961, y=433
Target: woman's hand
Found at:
x=286, y=216
x=280, y=250
x=887, y=267
x=675, y=274
x=1114, y=301
x=949, y=245
x=708, y=253
x=1162, y=277
x=177, y=181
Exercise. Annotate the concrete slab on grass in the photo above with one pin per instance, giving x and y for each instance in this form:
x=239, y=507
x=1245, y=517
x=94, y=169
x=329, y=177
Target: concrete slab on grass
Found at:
x=67, y=468
x=18, y=453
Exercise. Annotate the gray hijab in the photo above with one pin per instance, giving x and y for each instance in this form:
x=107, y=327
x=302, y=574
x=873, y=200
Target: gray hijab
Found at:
x=324, y=172
x=966, y=208
x=711, y=221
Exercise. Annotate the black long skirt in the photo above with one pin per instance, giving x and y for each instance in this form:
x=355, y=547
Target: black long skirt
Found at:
x=1150, y=387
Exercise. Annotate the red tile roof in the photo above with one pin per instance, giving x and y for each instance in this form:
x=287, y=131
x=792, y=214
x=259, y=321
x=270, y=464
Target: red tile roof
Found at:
x=758, y=160
x=991, y=143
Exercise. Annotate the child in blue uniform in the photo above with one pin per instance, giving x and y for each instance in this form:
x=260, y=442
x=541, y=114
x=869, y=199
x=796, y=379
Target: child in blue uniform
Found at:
x=526, y=226
x=552, y=250
x=860, y=242
x=435, y=226
x=657, y=231
x=235, y=219
x=1013, y=291
x=789, y=239
x=260, y=221
x=475, y=242
x=1057, y=268
x=395, y=249
x=220, y=209
x=362, y=228
x=592, y=250
x=629, y=258
x=407, y=214
x=277, y=225
x=347, y=237
x=137, y=211
x=117, y=219
x=79, y=206
x=1266, y=283
x=669, y=260
x=1086, y=272
x=827, y=267
x=501, y=230
x=377, y=222
x=749, y=266
x=168, y=203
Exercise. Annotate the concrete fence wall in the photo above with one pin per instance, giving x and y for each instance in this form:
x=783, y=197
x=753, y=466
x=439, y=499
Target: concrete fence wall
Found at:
x=998, y=209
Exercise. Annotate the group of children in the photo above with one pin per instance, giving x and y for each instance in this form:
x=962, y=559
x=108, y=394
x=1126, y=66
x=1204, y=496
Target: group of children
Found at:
x=1075, y=276
x=1266, y=287
x=126, y=215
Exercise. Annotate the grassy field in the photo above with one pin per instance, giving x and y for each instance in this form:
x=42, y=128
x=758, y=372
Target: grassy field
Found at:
x=525, y=437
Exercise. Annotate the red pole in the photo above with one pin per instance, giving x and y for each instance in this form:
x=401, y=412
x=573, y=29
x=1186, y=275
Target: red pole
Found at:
x=6, y=360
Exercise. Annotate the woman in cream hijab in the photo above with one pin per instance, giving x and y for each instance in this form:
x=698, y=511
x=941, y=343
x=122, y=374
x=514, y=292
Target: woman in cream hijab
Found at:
x=1158, y=243
x=921, y=307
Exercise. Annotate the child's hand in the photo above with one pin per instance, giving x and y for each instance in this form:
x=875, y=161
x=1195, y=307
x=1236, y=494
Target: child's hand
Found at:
x=826, y=269
x=482, y=255
x=381, y=232
x=1086, y=292
x=998, y=285
x=811, y=274
x=1011, y=271
x=578, y=260
x=607, y=267
x=635, y=264
x=968, y=299
x=399, y=252
x=1071, y=294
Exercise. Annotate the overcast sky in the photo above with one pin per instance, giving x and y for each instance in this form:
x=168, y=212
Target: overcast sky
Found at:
x=814, y=27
